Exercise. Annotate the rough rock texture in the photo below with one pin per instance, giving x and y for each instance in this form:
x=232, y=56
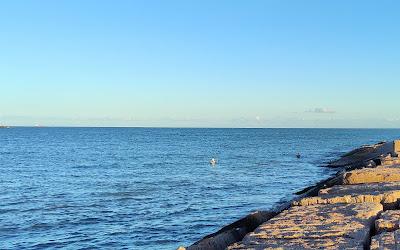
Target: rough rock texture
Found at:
x=386, y=241
x=333, y=226
x=388, y=221
x=386, y=161
x=372, y=175
x=302, y=244
x=386, y=193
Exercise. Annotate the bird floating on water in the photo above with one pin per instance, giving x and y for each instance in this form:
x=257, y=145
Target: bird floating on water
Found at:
x=298, y=156
x=213, y=161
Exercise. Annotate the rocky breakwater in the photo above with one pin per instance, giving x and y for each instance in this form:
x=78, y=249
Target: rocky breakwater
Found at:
x=358, y=208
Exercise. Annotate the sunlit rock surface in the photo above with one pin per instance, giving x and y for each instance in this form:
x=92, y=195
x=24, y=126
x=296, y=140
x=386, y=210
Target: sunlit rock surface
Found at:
x=372, y=175
x=332, y=226
x=386, y=193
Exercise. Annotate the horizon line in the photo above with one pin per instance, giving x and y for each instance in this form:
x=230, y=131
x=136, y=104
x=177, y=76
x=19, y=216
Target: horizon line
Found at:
x=194, y=127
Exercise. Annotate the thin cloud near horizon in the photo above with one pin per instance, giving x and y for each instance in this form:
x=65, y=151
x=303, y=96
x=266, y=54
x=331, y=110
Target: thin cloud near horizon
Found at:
x=321, y=111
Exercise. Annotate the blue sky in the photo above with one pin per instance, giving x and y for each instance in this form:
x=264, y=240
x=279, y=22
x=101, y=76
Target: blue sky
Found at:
x=200, y=63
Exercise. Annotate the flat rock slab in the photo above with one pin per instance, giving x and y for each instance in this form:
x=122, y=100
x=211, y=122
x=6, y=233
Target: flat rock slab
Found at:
x=388, y=221
x=386, y=241
x=372, y=175
x=386, y=193
x=333, y=226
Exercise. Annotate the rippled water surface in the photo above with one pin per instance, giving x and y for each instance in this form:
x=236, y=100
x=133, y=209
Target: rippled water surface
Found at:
x=148, y=188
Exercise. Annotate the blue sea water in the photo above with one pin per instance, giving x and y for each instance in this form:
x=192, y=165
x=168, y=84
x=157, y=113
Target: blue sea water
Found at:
x=152, y=188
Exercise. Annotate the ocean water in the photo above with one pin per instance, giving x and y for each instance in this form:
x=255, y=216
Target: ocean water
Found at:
x=151, y=188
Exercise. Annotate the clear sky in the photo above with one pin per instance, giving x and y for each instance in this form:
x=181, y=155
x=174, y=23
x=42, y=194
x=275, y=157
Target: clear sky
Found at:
x=200, y=63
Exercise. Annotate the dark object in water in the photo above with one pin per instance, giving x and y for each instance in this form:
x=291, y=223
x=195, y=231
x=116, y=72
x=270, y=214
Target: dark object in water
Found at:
x=298, y=156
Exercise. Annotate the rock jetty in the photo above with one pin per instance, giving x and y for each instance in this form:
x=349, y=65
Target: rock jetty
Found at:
x=358, y=208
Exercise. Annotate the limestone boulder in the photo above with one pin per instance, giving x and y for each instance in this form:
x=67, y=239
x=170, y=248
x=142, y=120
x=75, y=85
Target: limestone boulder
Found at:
x=371, y=175
x=388, y=194
x=332, y=226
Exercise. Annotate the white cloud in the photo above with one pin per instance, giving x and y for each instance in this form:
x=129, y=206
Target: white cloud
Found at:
x=321, y=111
x=392, y=119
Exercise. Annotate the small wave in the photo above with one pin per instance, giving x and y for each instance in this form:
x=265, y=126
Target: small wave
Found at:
x=8, y=210
x=177, y=212
x=7, y=230
x=37, y=226
x=85, y=166
x=89, y=221
x=48, y=245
